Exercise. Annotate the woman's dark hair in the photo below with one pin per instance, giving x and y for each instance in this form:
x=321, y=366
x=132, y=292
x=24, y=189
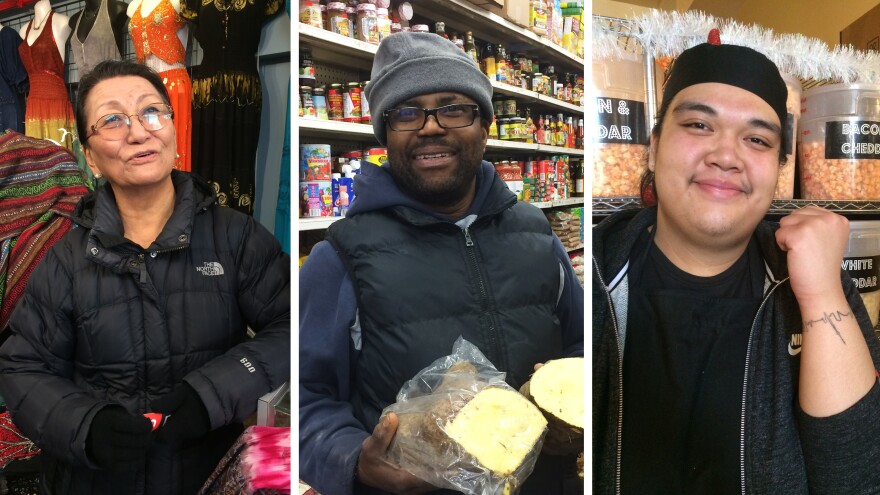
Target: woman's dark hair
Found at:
x=109, y=69
x=647, y=188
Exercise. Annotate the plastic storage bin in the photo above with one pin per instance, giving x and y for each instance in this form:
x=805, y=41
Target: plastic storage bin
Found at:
x=862, y=262
x=785, y=182
x=839, y=145
x=620, y=142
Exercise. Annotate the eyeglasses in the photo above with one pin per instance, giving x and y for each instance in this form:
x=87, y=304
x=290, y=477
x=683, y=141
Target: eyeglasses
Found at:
x=115, y=126
x=448, y=117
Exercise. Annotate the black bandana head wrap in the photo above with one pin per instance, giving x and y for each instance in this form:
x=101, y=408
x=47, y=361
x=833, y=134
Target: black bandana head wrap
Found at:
x=729, y=64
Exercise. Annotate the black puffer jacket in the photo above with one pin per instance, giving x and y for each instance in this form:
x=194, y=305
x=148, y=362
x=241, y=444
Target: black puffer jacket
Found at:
x=104, y=321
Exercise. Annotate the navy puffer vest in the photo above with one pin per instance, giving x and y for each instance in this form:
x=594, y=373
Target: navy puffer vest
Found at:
x=422, y=281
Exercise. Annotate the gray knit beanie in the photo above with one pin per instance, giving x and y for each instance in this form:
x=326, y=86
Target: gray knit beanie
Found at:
x=411, y=64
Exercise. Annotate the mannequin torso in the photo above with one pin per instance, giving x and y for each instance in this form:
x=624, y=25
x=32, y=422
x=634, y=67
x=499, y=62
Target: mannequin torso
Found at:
x=60, y=28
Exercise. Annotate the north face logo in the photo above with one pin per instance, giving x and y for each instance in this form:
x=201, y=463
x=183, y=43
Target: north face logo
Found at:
x=210, y=268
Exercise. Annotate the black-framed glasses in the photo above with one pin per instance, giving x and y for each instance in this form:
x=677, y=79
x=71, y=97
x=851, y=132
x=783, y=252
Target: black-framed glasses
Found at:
x=448, y=116
x=115, y=126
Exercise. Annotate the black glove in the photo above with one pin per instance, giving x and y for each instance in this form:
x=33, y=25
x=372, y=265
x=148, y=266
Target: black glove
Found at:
x=118, y=440
x=188, y=416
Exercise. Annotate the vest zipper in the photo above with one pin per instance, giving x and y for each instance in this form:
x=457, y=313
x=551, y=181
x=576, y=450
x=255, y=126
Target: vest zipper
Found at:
x=619, y=377
x=467, y=239
x=484, y=301
x=742, y=420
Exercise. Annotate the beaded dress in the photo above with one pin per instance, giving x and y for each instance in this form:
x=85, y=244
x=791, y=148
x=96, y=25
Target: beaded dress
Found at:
x=156, y=35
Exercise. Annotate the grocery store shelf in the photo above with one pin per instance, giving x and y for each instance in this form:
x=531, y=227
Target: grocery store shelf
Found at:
x=560, y=104
x=335, y=128
x=502, y=145
x=316, y=223
x=559, y=150
x=560, y=202
x=575, y=248
x=462, y=16
x=607, y=206
x=782, y=206
x=533, y=97
x=341, y=50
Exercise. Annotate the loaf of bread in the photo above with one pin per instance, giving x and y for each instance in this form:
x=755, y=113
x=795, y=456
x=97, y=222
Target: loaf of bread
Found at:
x=481, y=442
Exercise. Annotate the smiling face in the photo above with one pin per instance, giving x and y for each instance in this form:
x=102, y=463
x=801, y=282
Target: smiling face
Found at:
x=437, y=166
x=716, y=161
x=142, y=158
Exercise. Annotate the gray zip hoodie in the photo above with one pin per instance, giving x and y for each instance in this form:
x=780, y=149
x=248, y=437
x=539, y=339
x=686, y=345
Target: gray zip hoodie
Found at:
x=782, y=449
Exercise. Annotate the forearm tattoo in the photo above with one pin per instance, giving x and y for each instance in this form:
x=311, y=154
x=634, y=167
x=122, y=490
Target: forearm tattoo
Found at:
x=829, y=319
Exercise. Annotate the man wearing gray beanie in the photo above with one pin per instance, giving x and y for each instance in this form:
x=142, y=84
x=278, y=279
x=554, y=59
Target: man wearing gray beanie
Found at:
x=433, y=248
x=731, y=354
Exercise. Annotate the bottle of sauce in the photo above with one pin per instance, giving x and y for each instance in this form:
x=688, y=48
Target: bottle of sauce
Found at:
x=470, y=47
x=501, y=64
x=488, y=64
x=530, y=127
x=306, y=67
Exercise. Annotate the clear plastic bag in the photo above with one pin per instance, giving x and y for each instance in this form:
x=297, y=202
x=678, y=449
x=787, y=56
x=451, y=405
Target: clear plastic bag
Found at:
x=451, y=438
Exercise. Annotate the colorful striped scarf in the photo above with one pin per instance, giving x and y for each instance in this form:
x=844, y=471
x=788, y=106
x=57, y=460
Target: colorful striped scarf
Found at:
x=40, y=184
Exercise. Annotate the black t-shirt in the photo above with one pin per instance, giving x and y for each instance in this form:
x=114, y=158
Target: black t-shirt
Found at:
x=684, y=363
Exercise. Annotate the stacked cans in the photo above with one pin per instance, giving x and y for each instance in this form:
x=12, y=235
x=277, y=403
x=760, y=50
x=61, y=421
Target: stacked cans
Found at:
x=551, y=178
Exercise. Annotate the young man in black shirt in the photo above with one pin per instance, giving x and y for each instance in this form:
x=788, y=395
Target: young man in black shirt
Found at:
x=697, y=387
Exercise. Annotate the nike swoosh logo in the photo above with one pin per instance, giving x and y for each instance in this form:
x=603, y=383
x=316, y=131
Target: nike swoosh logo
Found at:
x=792, y=351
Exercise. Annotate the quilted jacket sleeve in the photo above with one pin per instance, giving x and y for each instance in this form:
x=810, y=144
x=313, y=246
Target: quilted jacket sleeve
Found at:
x=231, y=384
x=330, y=436
x=36, y=366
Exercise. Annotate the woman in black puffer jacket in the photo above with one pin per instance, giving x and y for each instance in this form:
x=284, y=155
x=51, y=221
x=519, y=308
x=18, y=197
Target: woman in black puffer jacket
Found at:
x=144, y=308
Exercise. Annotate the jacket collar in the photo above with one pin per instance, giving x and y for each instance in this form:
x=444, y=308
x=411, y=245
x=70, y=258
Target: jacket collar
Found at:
x=98, y=212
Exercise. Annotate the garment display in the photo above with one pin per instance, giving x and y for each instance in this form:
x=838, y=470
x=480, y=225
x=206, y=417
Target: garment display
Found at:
x=40, y=185
x=227, y=95
x=158, y=46
x=98, y=42
x=48, y=114
x=13, y=81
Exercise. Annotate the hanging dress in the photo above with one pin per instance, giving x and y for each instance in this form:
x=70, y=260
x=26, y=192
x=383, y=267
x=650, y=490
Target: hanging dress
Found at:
x=48, y=113
x=227, y=95
x=99, y=45
x=156, y=35
x=13, y=81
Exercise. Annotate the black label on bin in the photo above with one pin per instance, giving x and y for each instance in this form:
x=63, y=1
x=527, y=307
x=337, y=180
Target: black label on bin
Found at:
x=620, y=121
x=864, y=271
x=854, y=140
x=789, y=129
